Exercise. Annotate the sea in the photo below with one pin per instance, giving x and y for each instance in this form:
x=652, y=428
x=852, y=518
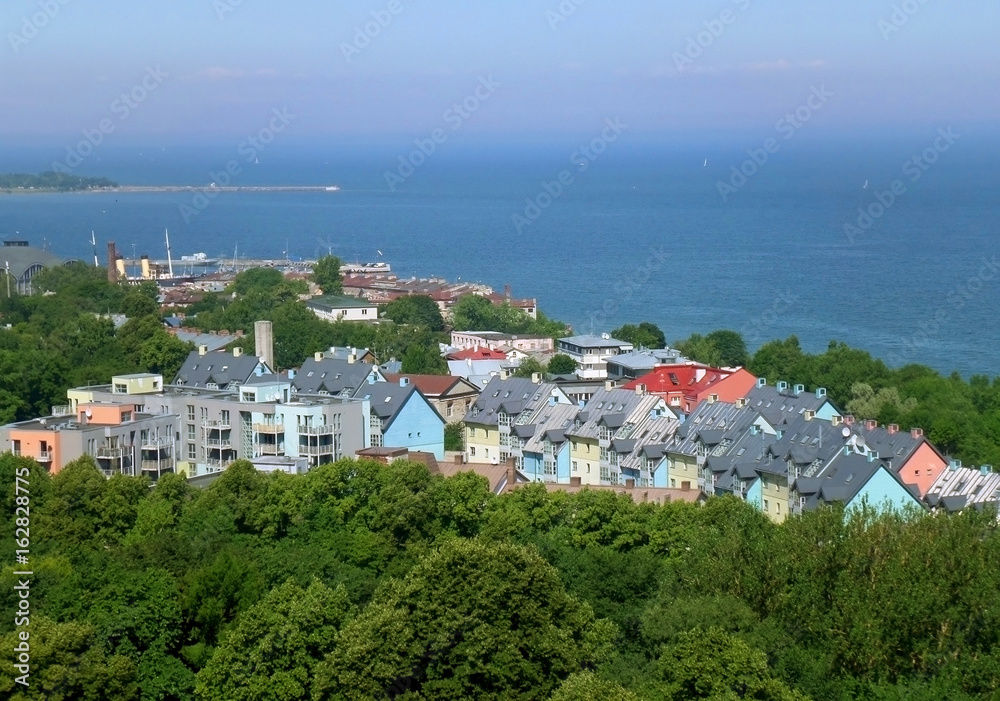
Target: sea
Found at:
x=839, y=238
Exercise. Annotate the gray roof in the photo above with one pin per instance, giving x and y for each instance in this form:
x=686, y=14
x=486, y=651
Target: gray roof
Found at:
x=513, y=393
x=219, y=368
x=550, y=423
x=844, y=477
x=388, y=398
x=22, y=258
x=783, y=406
x=211, y=341
x=524, y=431
x=331, y=376
x=613, y=408
x=647, y=359
x=979, y=486
x=331, y=302
x=588, y=341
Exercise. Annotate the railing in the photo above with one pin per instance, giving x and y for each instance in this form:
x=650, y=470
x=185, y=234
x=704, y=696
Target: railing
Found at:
x=156, y=466
x=44, y=455
x=110, y=453
x=157, y=443
x=216, y=424
x=218, y=443
x=270, y=448
x=219, y=464
x=315, y=430
x=62, y=410
x=325, y=449
x=269, y=428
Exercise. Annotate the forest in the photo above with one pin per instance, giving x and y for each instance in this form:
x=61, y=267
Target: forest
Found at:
x=59, y=182
x=361, y=580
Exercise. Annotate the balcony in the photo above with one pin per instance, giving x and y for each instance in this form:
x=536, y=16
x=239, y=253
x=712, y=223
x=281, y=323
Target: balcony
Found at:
x=219, y=425
x=315, y=430
x=107, y=453
x=62, y=410
x=154, y=466
x=325, y=449
x=219, y=443
x=271, y=448
x=269, y=428
x=219, y=464
x=44, y=456
x=157, y=443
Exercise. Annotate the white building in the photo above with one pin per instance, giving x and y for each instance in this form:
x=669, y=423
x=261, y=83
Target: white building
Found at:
x=332, y=308
x=591, y=353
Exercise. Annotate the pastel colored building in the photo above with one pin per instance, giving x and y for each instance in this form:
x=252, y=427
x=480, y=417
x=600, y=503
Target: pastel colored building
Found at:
x=685, y=386
x=591, y=353
x=401, y=417
x=334, y=308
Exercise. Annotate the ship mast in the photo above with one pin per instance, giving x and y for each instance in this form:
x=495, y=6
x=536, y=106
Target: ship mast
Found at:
x=170, y=261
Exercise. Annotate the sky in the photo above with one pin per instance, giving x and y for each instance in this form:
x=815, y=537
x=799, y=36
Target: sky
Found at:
x=196, y=71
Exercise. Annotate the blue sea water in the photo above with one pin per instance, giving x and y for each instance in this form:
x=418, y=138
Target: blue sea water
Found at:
x=642, y=234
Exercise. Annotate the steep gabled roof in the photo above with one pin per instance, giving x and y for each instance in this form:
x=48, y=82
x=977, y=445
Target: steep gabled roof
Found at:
x=331, y=375
x=219, y=368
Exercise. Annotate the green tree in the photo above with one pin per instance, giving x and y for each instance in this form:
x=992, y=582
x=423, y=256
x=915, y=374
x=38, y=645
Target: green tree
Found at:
x=260, y=280
x=136, y=304
x=417, y=310
x=164, y=354
x=561, y=364
x=587, y=686
x=645, y=335
x=273, y=652
x=715, y=665
x=529, y=367
x=471, y=621
x=421, y=360
x=326, y=274
x=454, y=437
x=731, y=347
x=67, y=663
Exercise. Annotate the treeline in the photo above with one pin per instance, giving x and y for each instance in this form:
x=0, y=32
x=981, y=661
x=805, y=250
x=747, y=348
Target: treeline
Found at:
x=62, y=182
x=64, y=337
x=368, y=581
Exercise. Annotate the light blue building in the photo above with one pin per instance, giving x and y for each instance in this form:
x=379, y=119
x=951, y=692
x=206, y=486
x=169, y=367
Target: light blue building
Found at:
x=401, y=417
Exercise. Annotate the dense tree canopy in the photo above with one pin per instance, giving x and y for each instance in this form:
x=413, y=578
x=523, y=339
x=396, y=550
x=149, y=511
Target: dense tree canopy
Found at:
x=416, y=310
x=476, y=313
x=326, y=274
x=560, y=364
x=644, y=335
x=365, y=580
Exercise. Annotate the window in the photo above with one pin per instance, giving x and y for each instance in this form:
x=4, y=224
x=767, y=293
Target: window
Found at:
x=576, y=466
x=673, y=483
x=472, y=451
x=204, y=413
x=17, y=447
x=120, y=389
x=451, y=409
x=472, y=431
x=190, y=432
x=767, y=506
x=126, y=416
x=225, y=416
x=190, y=410
x=192, y=451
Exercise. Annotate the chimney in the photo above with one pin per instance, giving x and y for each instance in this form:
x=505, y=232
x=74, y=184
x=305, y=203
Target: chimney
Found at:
x=552, y=401
x=318, y=356
x=893, y=428
x=291, y=374
x=511, y=473
x=609, y=385
x=263, y=333
x=799, y=389
x=404, y=381
x=871, y=424
x=810, y=414
x=146, y=272
x=820, y=392
x=835, y=420
x=985, y=470
x=713, y=398
x=782, y=385
x=849, y=419
x=536, y=378
x=120, y=267
x=954, y=465
x=762, y=382
x=112, y=264
x=237, y=352
x=640, y=390
x=352, y=359
x=916, y=433
x=629, y=483
x=202, y=350
x=741, y=403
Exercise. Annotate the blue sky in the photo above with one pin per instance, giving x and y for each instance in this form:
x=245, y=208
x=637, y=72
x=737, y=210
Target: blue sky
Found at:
x=229, y=63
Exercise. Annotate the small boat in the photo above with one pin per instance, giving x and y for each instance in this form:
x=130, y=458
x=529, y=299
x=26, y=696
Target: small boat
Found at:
x=198, y=260
x=333, y=188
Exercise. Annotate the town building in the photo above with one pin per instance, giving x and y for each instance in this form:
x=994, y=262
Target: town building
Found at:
x=685, y=386
x=342, y=308
x=21, y=263
x=633, y=365
x=503, y=342
x=326, y=376
x=591, y=353
x=452, y=397
x=401, y=417
x=219, y=369
x=959, y=488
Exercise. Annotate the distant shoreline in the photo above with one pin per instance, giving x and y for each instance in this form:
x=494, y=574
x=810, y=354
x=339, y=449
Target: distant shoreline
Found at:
x=127, y=189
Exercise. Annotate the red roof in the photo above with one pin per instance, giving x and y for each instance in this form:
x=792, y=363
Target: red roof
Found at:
x=481, y=353
x=429, y=385
x=684, y=380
